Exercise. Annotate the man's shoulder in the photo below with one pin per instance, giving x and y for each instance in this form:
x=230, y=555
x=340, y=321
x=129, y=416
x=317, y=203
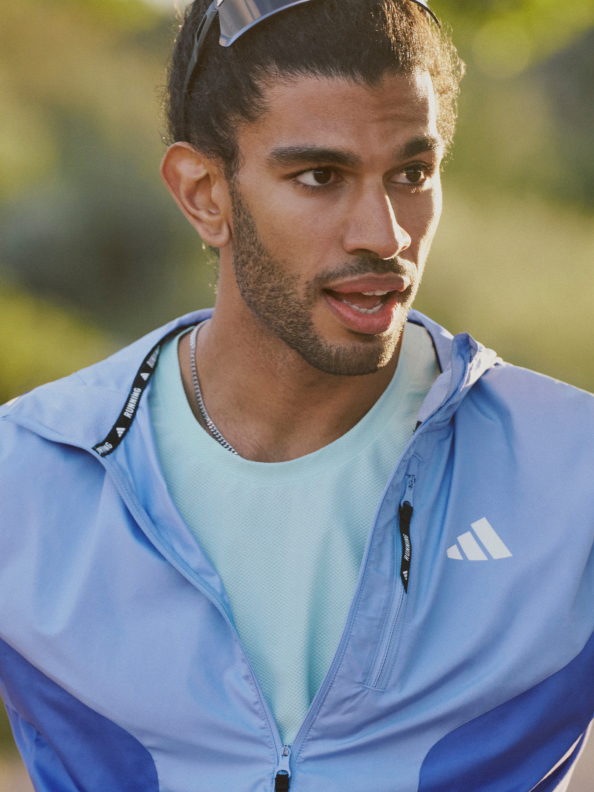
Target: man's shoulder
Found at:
x=523, y=388
x=487, y=383
x=542, y=420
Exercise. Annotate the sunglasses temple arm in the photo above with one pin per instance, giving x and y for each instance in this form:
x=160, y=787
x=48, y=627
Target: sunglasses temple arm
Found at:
x=201, y=34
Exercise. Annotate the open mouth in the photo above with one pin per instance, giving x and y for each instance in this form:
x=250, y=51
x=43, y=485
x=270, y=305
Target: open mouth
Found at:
x=368, y=303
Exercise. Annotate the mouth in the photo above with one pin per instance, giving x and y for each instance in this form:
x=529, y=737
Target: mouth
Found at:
x=367, y=305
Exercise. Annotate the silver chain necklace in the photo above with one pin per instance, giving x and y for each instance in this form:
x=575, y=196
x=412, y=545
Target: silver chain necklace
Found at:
x=207, y=419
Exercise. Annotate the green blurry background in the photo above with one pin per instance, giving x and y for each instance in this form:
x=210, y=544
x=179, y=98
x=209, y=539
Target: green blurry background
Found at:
x=93, y=251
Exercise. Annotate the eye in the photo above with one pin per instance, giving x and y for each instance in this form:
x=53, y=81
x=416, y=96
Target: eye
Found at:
x=318, y=177
x=416, y=175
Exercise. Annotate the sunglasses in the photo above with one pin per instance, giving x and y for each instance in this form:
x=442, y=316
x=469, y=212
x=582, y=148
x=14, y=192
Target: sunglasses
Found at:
x=237, y=16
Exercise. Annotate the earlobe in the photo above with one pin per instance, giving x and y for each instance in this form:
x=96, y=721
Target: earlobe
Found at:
x=196, y=184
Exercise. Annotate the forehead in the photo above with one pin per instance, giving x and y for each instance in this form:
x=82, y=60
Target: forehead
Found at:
x=339, y=113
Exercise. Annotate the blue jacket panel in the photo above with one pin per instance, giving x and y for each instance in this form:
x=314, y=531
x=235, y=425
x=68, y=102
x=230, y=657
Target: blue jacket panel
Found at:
x=467, y=669
x=57, y=758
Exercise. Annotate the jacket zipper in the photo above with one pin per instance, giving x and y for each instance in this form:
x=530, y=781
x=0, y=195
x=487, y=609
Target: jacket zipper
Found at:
x=282, y=775
x=386, y=653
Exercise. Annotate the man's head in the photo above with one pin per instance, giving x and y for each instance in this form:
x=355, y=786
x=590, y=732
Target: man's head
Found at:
x=321, y=130
x=358, y=40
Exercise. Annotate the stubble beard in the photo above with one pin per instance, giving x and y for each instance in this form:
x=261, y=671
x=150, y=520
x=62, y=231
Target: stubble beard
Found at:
x=284, y=304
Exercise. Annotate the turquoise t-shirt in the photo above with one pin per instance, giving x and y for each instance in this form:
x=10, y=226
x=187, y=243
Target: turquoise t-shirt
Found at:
x=287, y=538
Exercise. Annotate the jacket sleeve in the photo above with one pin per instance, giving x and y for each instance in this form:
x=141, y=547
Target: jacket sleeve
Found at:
x=43, y=765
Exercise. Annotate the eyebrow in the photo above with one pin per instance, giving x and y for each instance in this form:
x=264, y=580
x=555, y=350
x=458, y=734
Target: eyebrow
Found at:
x=419, y=145
x=290, y=156
x=308, y=155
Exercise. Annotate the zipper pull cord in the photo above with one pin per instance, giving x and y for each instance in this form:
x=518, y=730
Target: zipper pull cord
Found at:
x=282, y=780
x=405, y=513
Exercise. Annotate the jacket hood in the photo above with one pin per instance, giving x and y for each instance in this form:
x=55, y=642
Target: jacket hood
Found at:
x=85, y=408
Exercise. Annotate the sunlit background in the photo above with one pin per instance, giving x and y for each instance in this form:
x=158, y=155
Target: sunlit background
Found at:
x=94, y=253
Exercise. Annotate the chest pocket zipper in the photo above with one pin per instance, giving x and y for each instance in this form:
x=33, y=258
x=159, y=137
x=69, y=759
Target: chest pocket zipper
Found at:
x=389, y=643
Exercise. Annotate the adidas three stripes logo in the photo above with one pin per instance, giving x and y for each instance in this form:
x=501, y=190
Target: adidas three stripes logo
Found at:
x=472, y=549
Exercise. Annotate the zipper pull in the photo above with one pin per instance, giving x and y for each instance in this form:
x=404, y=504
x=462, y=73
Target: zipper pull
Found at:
x=408, y=492
x=283, y=773
x=405, y=513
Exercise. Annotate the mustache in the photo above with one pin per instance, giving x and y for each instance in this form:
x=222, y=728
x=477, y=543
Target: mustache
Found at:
x=366, y=265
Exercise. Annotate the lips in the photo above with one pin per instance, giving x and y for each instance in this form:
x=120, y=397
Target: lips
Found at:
x=365, y=284
x=367, y=304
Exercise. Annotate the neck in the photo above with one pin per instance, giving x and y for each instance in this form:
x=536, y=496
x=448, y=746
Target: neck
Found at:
x=265, y=399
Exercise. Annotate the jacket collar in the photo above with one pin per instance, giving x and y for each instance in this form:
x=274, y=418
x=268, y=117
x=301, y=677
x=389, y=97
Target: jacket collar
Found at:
x=83, y=409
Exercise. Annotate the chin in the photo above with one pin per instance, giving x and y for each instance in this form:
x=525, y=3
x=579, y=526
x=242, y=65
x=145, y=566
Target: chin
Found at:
x=354, y=359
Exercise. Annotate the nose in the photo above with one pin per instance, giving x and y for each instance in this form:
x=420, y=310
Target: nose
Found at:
x=373, y=227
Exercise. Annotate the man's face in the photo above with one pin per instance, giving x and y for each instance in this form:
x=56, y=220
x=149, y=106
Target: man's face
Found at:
x=335, y=206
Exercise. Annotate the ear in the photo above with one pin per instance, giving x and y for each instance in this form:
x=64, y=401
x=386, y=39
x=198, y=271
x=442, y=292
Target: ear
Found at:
x=199, y=188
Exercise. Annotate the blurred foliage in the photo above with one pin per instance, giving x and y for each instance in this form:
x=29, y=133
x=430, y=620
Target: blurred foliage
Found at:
x=41, y=342
x=533, y=302
x=7, y=745
x=87, y=227
x=522, y=31
x=83, y=215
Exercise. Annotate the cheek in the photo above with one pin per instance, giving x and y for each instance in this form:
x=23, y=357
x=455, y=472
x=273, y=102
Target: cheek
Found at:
x=437, y=204
x=427, y=221
x=295, y=233
x=433, y=222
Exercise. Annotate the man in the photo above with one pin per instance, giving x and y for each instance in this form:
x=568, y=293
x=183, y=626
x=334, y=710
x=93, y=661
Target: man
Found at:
x=242, y=554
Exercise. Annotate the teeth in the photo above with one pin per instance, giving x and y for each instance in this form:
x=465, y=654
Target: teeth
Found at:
x=375, y=293
x=364, y=310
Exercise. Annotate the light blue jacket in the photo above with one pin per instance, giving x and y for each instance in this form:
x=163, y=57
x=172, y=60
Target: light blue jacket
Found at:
x=119, y=662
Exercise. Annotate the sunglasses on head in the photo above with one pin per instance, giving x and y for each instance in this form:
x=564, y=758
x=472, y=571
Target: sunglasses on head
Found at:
x=237, y=16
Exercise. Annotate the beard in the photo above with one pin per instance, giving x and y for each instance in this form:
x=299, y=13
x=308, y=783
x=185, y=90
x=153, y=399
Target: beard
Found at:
x=284, y=304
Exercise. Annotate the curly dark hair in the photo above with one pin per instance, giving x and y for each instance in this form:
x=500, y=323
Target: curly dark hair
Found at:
x=361, y=40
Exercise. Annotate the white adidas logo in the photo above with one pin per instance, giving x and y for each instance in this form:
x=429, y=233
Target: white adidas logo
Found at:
x=472, y=550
